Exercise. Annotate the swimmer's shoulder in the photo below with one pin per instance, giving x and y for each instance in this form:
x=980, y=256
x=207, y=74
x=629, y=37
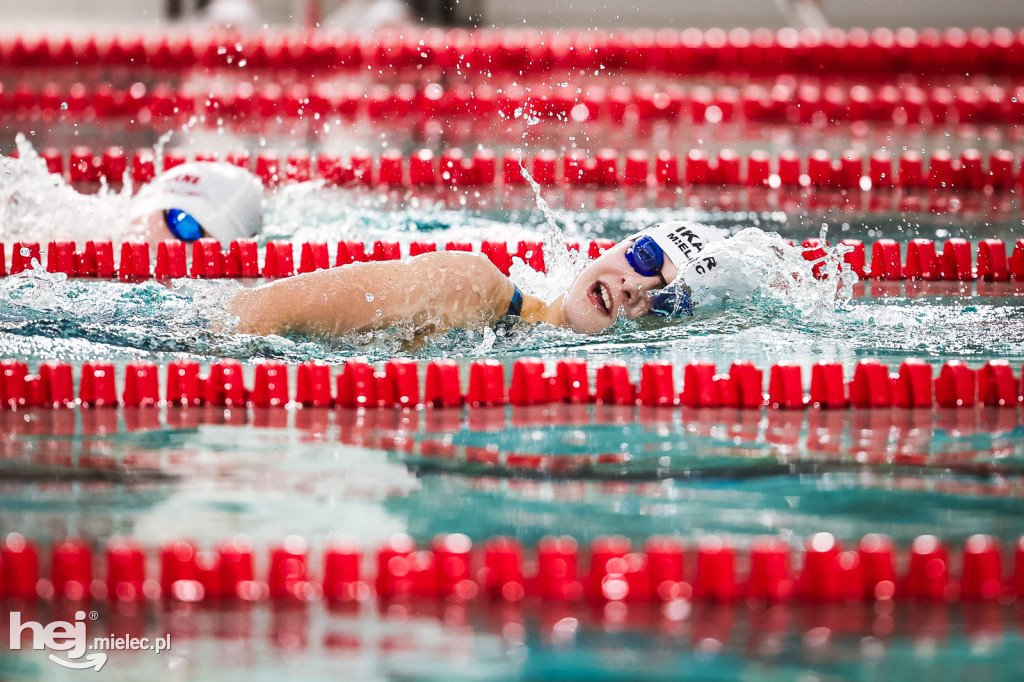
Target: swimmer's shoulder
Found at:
x=473, y=268
x=503, y=299
x=474, y=262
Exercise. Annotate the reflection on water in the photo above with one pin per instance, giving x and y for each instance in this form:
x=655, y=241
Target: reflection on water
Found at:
x=584, y=470
x=484, y=640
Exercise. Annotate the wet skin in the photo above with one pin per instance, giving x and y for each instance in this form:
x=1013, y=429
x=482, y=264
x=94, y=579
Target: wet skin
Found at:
x=434, y=292
x=607, y=286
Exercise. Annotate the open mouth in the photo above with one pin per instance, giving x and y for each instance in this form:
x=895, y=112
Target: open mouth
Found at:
x=601, y=297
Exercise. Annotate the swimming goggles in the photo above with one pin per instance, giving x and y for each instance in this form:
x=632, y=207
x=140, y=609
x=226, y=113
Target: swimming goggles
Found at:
x=648, y=258
x=182, y=225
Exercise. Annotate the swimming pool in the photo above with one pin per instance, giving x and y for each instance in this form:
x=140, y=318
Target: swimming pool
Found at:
x=705, y=471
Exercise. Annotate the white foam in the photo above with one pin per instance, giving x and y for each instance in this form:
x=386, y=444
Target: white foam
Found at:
x=38, y=206
x=753, y=264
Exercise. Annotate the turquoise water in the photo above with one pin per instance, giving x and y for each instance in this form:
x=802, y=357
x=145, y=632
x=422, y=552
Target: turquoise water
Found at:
x=370, y=475
x=206, y=474
x=101, y=473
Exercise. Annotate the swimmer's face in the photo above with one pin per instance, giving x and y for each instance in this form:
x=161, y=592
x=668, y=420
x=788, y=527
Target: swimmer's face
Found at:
x=608, y=287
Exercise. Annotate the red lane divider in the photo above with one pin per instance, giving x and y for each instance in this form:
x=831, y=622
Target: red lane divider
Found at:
x=452, y=168
x=245, y=258
x=452, y=567
x=858, y=51
x=397, y=384
x=781, y=103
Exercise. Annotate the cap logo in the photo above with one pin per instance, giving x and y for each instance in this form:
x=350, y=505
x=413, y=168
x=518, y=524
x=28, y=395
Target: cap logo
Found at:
x=705, y=265
x=685, y=239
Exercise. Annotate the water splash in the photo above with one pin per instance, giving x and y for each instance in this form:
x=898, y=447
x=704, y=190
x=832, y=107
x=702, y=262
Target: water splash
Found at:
x=762, y=267
x=149, y=316
x=38, y=206
x=562, y=264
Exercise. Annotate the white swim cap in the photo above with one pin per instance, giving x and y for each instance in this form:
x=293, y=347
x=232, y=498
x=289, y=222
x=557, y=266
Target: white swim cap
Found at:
x=225, y=199
x=683, y=243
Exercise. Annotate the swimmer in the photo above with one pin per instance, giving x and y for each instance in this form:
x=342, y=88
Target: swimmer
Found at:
x=199, y=199
x=429, y=293
x=434, y=292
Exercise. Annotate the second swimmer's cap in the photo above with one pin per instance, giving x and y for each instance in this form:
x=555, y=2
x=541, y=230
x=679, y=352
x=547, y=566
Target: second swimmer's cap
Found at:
x=225, y=199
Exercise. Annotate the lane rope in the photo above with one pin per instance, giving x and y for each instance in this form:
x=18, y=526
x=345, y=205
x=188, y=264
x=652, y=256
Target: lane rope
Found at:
x=451, y=567
x=397, y=384
x=637, y=168
x=984, y=262
x=858, y=51
x=244, y=109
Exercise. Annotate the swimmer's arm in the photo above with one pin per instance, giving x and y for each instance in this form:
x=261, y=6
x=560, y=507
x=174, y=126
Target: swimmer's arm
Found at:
x=432, y=291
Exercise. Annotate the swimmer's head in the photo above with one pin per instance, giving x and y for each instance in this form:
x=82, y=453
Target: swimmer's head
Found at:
x=626, y=279
x=202, y=199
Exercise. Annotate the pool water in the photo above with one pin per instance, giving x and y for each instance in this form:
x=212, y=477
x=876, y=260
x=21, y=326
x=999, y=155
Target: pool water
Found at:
x=207, y=473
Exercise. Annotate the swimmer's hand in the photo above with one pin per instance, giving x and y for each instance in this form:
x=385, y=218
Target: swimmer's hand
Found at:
x=433, y=291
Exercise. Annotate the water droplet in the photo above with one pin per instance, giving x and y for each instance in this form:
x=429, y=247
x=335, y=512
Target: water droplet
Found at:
x=369, y=298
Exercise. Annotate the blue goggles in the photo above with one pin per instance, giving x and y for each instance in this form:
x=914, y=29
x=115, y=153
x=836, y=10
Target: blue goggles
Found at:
x=647, y=258
x=182, y=225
